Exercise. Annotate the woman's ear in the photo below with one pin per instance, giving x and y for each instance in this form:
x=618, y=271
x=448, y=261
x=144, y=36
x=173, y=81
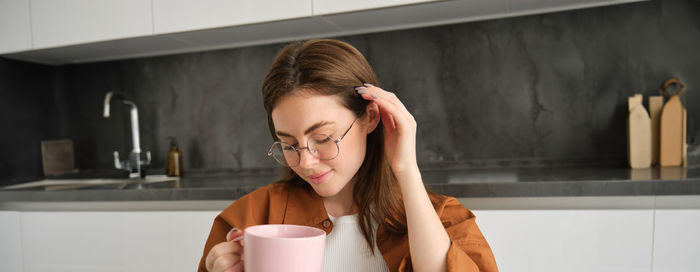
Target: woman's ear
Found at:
x=373, y=116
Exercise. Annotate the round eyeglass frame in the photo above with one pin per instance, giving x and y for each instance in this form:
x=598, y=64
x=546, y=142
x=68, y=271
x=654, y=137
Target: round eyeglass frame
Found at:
x=312, y=152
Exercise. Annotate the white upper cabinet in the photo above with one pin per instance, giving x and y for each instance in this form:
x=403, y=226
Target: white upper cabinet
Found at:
x=184, y=15
x=425, y=14
x=524, y=7
x=68, y=22
x=74, y=31
x=15, y=29
x=324, y=7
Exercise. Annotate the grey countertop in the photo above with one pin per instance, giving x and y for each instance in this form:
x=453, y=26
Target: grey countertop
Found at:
x=495, y=182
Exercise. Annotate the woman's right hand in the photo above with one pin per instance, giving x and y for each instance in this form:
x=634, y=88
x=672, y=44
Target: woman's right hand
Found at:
x=227, y=256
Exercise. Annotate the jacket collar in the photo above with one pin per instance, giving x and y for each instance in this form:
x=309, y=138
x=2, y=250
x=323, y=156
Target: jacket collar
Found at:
x=305, y=207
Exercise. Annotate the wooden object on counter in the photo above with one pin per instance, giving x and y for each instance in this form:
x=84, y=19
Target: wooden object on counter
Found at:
x=684, y=140
x=638, y=134
x=57, y=157
x=656, y=104
x=672, y=127
x=633, y=101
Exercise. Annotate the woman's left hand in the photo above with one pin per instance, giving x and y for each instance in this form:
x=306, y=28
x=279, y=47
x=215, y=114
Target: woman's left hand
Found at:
x=399, y=129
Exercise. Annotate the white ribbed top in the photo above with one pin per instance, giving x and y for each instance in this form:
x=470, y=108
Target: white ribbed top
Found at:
x=347, y=250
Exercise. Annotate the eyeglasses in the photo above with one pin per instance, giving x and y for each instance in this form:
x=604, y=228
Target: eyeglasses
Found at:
x=320, y=146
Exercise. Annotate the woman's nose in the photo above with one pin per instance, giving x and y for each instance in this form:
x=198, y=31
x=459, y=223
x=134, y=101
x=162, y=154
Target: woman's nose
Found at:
x=306, y=158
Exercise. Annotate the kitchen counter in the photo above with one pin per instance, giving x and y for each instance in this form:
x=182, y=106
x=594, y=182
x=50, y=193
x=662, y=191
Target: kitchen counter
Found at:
x=461, y=183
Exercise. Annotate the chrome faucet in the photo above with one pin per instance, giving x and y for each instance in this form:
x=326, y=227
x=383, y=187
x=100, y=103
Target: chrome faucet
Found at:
x=133, y=163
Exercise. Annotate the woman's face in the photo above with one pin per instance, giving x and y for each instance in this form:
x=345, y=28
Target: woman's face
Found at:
x=296, y=117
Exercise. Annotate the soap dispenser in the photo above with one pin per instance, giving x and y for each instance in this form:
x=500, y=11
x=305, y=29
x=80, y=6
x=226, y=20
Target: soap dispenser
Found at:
x=174, y=159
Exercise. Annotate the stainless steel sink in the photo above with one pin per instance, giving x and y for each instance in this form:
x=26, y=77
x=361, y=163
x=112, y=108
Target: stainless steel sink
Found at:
x=98, y=183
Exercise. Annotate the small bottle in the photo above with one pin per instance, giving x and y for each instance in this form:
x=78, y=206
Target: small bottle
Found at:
x=174, y=159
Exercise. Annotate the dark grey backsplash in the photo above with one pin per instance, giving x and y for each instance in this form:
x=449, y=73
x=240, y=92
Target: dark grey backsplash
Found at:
x=30, y=111
x=546, y=88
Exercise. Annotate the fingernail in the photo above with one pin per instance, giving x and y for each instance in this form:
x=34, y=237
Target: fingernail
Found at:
x=362, y=91
x=230, y=232
x=366, y=92
x=369, y=85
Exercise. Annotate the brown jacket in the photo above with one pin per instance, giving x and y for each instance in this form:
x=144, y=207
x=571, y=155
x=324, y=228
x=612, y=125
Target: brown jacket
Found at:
x=283, y=204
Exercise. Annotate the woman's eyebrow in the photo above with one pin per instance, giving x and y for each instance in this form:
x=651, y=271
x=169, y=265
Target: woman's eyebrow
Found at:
x=308, y=130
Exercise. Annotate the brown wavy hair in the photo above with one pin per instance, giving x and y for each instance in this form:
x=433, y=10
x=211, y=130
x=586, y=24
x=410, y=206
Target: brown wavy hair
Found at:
x=332, y=67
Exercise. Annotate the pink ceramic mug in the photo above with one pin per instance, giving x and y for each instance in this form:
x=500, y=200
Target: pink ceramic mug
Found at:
x=275, y=248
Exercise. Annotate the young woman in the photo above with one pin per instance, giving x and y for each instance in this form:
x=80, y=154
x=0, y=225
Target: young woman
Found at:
x=349, y=151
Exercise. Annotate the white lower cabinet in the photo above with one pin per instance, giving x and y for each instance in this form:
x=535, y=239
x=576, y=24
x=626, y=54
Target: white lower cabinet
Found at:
x=10, y=241
x=114, y=241
x=677, y=240
x=569, y=240
x=660, y=234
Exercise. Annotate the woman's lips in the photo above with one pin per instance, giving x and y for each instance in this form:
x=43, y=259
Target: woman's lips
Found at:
x=318, y=179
